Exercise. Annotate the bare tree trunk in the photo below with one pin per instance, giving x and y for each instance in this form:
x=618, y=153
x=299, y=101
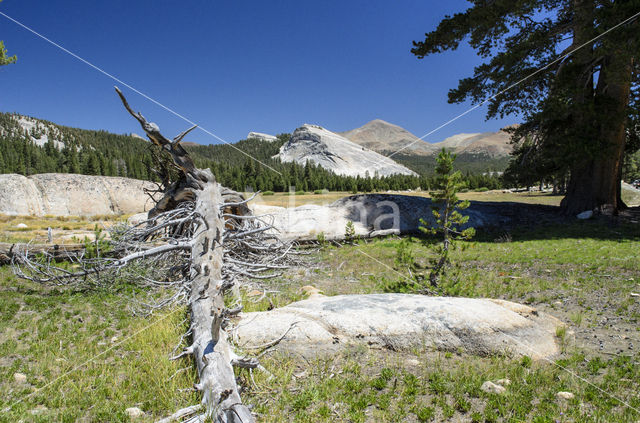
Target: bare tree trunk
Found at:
x=198, y=242
x=210, y=348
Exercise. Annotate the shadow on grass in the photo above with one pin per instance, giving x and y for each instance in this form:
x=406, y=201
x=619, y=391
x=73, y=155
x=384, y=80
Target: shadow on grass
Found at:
x=538, y=222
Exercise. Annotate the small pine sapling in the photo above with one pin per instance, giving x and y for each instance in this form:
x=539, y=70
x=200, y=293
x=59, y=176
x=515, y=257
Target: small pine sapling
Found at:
x=349, y=231
x=446, y=211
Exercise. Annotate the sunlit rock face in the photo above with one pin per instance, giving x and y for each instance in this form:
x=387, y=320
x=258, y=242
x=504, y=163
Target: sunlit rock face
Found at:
x=327, y=149
x=262, y=137
x=61, y=194
x=403, y=322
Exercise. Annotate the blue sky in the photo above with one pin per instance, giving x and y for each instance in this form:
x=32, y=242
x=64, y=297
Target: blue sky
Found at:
x=236, y=66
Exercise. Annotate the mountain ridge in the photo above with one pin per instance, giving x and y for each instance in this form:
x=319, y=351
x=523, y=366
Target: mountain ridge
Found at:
x=384, y=137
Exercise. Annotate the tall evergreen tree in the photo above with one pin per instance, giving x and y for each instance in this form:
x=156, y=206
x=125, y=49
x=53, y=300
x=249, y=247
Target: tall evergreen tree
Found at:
x=575, y=108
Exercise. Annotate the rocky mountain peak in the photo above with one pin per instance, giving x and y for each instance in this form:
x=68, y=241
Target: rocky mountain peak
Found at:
x=318, y=145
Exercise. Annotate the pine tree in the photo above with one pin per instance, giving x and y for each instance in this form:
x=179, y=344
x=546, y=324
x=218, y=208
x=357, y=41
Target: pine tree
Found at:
x=446, y=211
x=578, y=107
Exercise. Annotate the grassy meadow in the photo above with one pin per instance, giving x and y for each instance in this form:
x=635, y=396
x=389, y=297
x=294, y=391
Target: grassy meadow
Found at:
x=293, y=200
x=583, y=273
x=87, y=358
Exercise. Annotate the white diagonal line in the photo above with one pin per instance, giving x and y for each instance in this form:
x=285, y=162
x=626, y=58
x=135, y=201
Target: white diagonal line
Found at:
x=79, y=366
x=512, y=85
x=526, y=346
x=133, y=89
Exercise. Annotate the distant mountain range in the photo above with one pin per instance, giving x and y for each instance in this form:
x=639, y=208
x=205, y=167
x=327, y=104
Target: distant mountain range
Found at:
x=386, y=138
x=359, y=152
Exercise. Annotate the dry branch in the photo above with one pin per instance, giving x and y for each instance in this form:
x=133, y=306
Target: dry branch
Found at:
x=199, y=242
x=57, y=251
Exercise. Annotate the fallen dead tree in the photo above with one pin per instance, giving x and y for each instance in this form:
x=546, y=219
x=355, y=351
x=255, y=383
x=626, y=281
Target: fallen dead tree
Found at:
x=199, y=242
x=56, y=251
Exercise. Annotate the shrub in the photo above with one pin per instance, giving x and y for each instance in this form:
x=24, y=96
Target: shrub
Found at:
x=268, y=193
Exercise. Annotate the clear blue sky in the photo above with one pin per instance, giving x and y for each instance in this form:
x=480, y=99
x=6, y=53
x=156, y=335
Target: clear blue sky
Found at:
x=236, y=66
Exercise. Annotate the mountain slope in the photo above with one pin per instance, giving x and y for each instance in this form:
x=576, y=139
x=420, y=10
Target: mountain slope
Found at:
x=33, y=146
x=381, y=136
x=331, y=151
x=493, y=144
x=384, y=137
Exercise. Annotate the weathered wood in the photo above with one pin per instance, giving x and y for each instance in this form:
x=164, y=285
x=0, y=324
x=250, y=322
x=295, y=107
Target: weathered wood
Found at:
x=210, y=348
x=192, y=179
x=56, y=251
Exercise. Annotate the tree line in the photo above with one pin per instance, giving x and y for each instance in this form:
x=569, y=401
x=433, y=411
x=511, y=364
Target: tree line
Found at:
x=102, y=153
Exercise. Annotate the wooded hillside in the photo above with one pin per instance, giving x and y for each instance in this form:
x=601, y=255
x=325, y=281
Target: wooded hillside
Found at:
x=70, y=150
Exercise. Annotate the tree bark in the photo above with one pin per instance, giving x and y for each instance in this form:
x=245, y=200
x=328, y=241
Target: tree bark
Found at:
x=595, y=182
x=210, y=348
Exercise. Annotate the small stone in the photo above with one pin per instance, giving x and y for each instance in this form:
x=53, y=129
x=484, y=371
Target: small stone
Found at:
x=21, y=226
x=114, y=339
x=503, y=382
x=38, y=410
x=587, y=214
x=413, y=362
x=492, y=388
x=558, y=303
x=565, y=395
x=311, y=291
x=101, y=343
x=20, y=378
x=134, y=412
x=635, y=294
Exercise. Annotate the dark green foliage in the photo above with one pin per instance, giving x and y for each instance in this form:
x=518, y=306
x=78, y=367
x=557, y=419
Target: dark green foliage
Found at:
x=85, y=152
x=349, y=232
x=4, y=59
x=446, y=210
x=576, y=109
x=102, y=153
x=467, y=163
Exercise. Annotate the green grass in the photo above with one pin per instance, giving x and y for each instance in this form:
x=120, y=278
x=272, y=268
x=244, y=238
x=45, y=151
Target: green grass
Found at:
x=591, y=267
x=63, y=341
x=360, y=385
x=582, y=273
x=325, y=198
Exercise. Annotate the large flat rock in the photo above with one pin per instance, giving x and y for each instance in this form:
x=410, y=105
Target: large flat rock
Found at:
x=61, y=194
x=402, y=322
x=379, y=214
